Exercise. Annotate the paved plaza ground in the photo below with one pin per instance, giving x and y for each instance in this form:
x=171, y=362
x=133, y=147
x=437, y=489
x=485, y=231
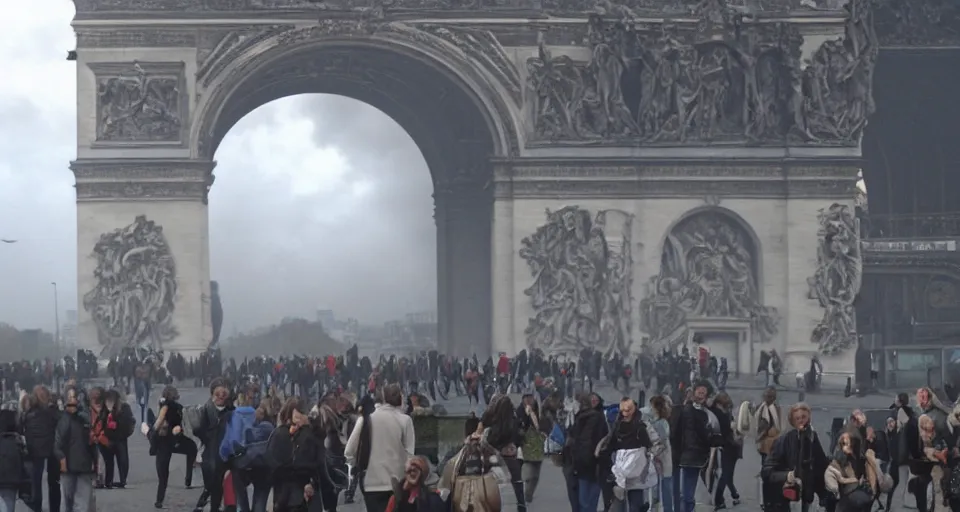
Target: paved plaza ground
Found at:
x=551, y=495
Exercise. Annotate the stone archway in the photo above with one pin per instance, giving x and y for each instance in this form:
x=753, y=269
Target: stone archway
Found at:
x=710, y=274
x=143, y=177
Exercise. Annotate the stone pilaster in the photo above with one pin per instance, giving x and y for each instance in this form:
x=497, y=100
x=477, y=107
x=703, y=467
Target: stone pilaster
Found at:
x=143, y=253
x=467, y=264
x=502, y=251
x=444, y=339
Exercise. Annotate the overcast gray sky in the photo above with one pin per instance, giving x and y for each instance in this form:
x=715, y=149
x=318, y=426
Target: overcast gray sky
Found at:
x=320, y=201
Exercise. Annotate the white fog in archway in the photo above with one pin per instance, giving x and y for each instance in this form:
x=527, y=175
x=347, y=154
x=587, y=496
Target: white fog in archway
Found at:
x=321, y=201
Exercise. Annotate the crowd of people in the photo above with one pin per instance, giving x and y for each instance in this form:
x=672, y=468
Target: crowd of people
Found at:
x=304, y=430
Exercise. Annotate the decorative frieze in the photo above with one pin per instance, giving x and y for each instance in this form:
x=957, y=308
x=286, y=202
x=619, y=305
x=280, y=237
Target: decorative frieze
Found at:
x=141, y=103
x=142, y=179
x=142, y=38
x=285, y=6
x=142, y=191
x=773, y=171
x=136, y=170
x=667, y=188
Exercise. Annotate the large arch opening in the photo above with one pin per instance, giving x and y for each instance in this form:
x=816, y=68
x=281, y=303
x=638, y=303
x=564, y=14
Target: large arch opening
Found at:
x=303, y=217
x=445, y=119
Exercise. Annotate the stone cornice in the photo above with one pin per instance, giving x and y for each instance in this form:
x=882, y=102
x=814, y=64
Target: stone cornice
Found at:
x=675, y=188
x=142, y=191
x=693, y=169
x=899, y=24
x=632, y=181
x=142, y=180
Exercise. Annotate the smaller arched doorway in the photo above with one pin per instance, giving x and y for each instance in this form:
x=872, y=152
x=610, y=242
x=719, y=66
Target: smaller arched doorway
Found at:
x=708, y=289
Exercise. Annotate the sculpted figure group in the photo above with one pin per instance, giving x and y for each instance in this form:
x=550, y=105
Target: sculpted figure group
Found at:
x=582, y=273
x=837, y=280
x=133, y=301
x=722, y=79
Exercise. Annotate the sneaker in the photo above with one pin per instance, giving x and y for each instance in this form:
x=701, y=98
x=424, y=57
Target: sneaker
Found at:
x=158, y=504
x=721, y=506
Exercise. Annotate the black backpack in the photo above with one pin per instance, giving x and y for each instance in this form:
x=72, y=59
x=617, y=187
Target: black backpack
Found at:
x=12, y=470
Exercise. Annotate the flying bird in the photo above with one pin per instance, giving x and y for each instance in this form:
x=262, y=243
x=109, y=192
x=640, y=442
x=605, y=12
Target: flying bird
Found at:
x=4, y=240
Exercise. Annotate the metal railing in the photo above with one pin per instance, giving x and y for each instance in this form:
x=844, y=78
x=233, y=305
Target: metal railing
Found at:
x=913, y=225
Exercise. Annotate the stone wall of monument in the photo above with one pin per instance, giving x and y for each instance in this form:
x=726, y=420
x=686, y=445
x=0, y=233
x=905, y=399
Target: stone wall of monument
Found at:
x=625, y=275
x=163, y=243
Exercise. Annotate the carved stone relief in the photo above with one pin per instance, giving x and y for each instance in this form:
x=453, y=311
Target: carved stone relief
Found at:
x=582, y=269
x=481, y=48
x=133, y=301
x=716, y=81
x=218, y=49
x=836, y=282
x=140, y=102
x=929, y=23
x=709, y=269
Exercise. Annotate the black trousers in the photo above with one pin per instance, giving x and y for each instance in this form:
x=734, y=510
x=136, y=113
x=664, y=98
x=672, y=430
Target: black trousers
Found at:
x=165, y=450
x=377, y=501
x=121, y=450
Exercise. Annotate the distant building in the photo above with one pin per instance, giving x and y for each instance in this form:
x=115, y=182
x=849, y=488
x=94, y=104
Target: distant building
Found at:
x=417, y=332
x=346, y=332
x=69, y=336
x=326, y=318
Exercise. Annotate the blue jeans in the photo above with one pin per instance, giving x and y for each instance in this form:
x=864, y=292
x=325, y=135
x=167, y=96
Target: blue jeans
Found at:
x=666, y=493
x=142, y=389
x=689, y=479
x=8, y=500
x=588, y=493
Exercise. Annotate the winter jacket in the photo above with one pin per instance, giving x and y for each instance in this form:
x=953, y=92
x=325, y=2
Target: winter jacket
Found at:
x=392, y=442
x=589, y=429
x=39, y=428
x=72, y=442
x=213, y=426
x=690, y=437
x=802, y=455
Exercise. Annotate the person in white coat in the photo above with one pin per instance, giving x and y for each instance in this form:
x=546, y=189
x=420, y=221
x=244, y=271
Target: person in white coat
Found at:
x=382, y=447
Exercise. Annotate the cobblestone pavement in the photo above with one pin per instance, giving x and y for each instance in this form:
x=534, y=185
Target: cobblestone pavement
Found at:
x=550, y=496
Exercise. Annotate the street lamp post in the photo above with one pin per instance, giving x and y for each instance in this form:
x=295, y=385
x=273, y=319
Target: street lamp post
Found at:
x=56, y=314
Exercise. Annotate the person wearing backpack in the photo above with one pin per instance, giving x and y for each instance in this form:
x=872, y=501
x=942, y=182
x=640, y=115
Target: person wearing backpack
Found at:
x=13, y=454
x=166, y=438
x=248, y=463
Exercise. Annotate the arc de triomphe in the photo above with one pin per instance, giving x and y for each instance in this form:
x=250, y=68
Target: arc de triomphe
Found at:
x=606, y=176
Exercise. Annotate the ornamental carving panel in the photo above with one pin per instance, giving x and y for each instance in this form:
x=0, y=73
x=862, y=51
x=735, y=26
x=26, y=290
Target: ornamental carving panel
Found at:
x=836, y=283
x=582, y=270
x=133, y=301
x=718, y=80
x=708, y=269
x=140, y=102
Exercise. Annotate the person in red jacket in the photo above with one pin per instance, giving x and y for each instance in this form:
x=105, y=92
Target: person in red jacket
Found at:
x=503, y=365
